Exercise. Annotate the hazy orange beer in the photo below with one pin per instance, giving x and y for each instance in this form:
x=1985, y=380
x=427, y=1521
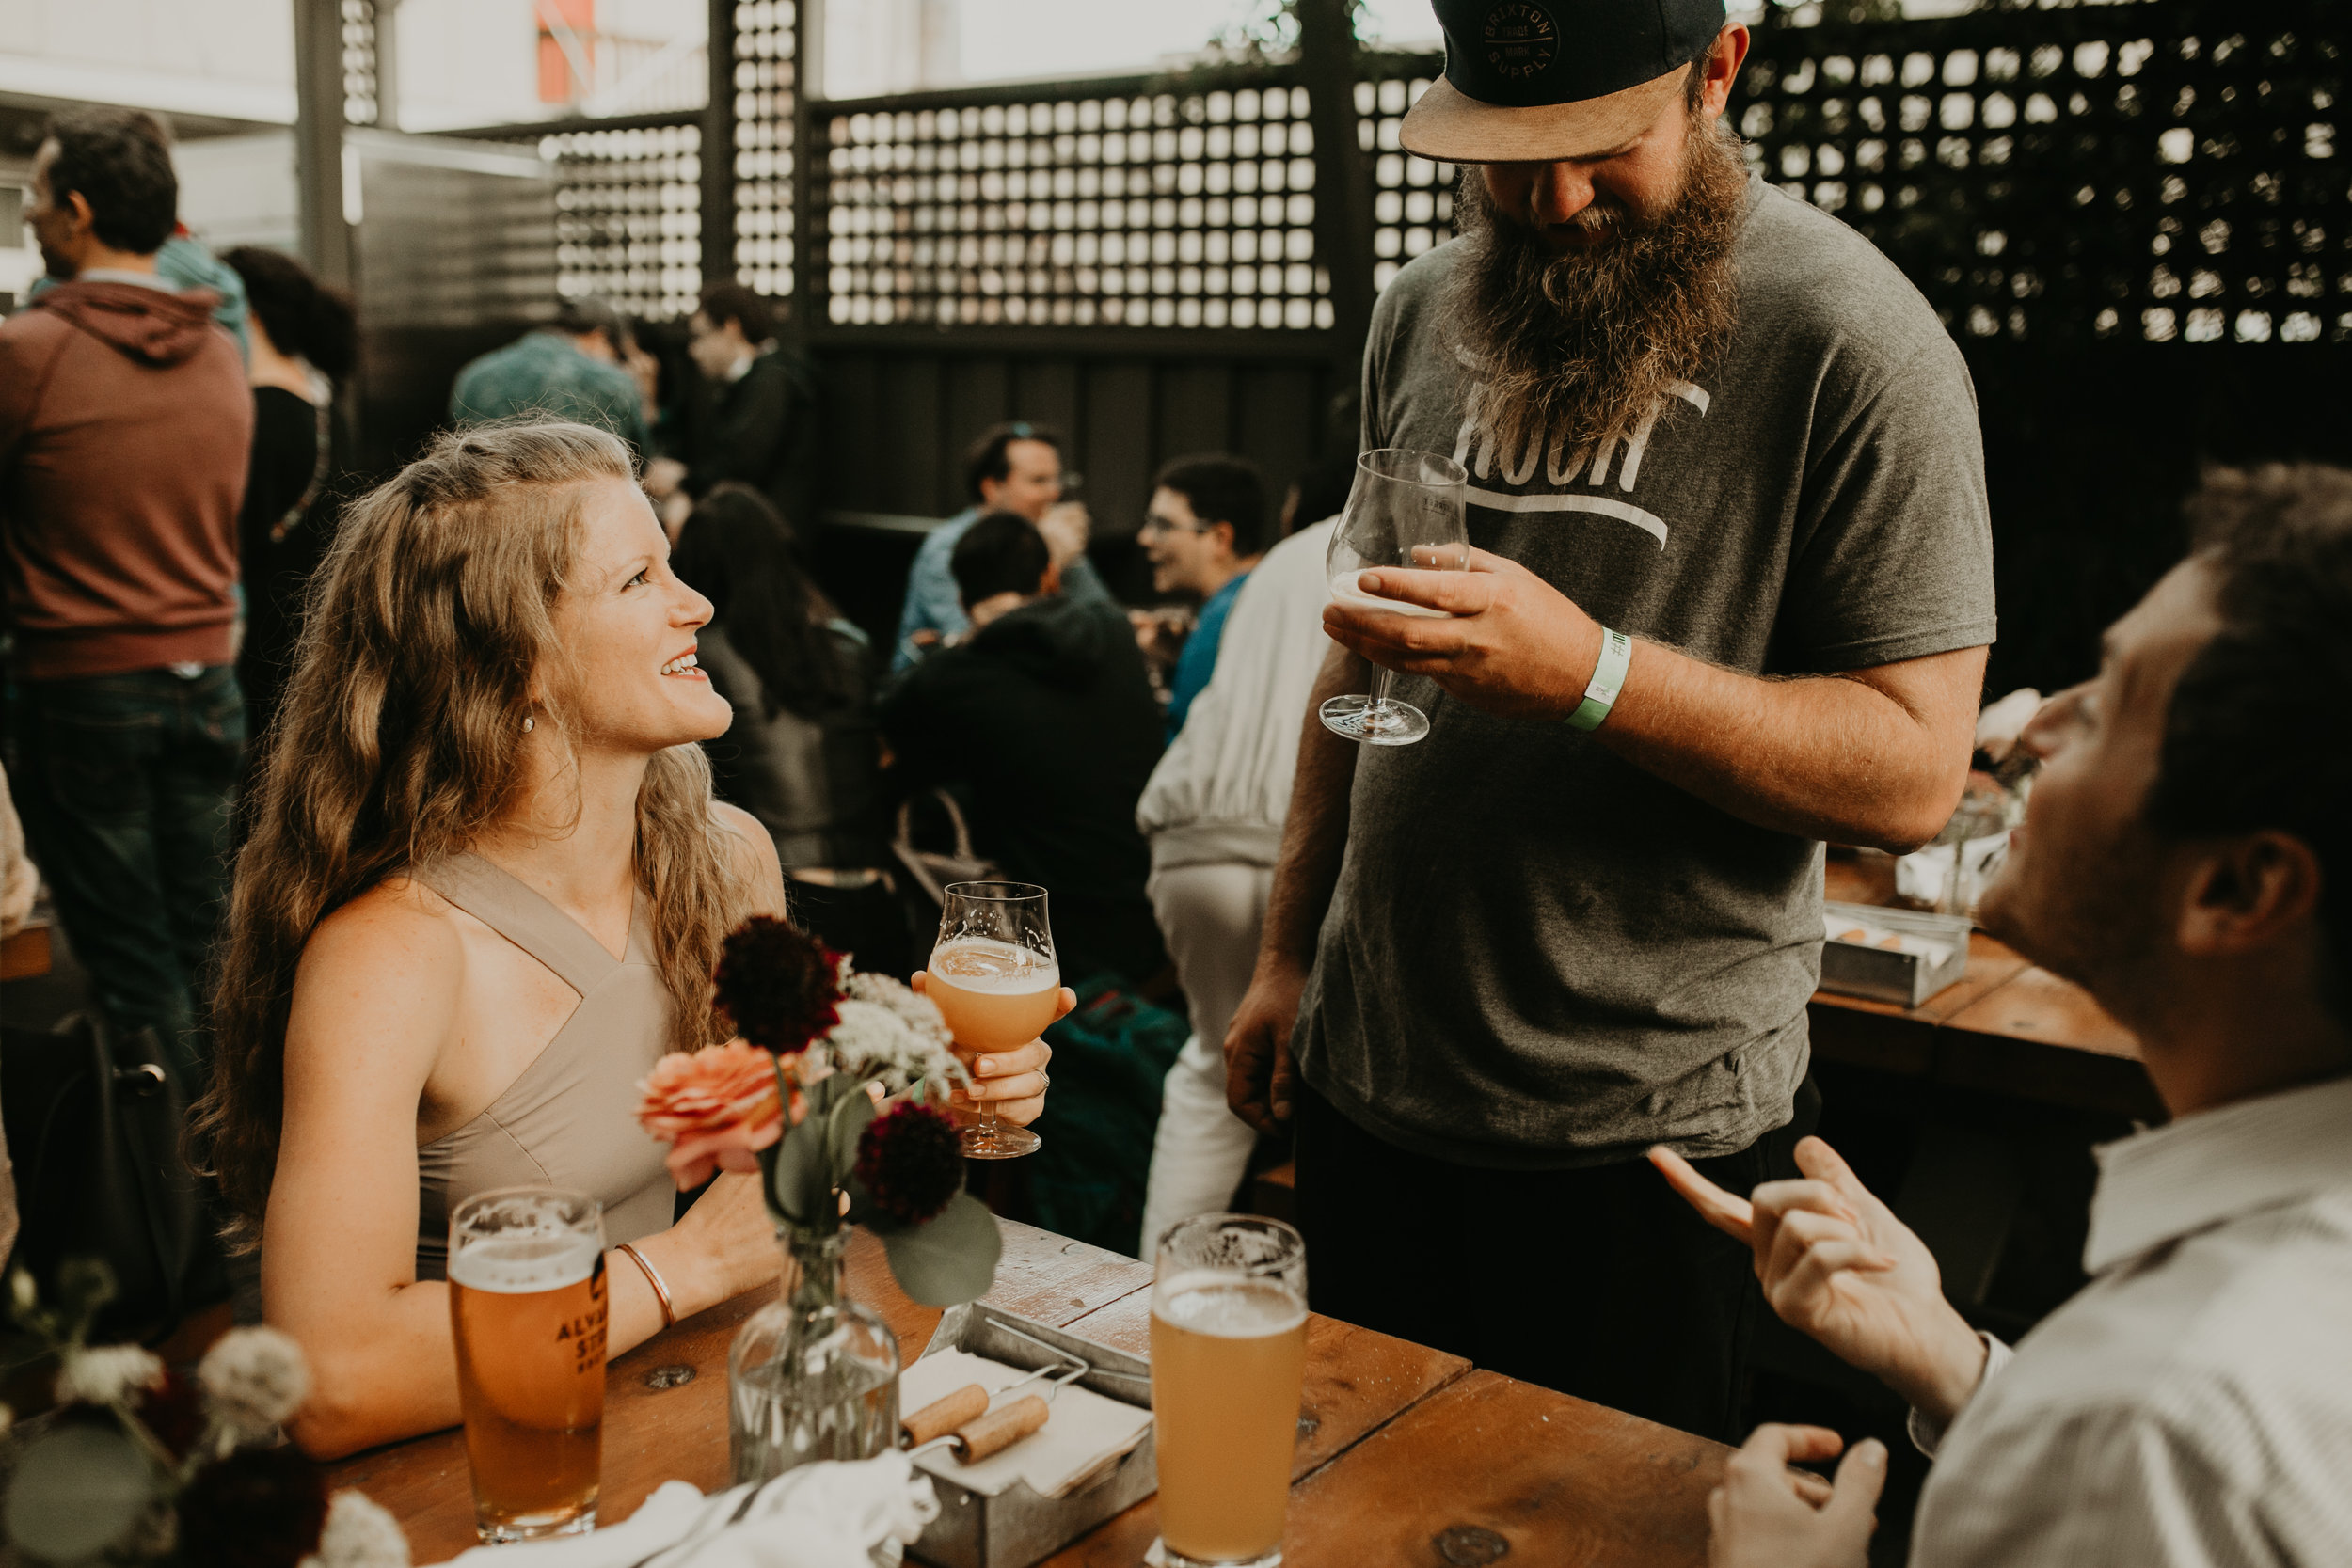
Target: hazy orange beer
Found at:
x=527, y=1307
x=1228, y=1355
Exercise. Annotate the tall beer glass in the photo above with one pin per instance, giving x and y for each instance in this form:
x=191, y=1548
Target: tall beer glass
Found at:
x=1405, y=509
x=527, y=1307
x=998, y=983
x=1228, y=1352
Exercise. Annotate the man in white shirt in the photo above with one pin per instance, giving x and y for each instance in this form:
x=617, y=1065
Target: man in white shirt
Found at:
x=2193, y=1405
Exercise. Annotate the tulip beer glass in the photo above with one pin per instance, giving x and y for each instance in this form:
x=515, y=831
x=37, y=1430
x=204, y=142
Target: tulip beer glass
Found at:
x=527, y=1307
x=1405, y=510
x=998, y=983
x=1228, y=1352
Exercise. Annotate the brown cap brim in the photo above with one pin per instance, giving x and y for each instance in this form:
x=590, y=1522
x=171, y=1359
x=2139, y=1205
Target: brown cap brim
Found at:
x=1451, y=127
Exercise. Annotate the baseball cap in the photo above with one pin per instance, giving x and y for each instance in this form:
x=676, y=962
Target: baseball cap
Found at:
x=1535, y=81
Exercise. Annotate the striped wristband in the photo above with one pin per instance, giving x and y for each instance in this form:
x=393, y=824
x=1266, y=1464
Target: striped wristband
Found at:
x=1616, y=652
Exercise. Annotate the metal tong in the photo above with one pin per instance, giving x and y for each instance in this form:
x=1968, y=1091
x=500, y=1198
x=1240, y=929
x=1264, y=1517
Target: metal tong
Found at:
x=964, y=1422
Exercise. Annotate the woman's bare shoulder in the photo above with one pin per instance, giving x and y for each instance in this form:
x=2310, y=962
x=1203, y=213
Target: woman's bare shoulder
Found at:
x=399, y=944
x=755, y=856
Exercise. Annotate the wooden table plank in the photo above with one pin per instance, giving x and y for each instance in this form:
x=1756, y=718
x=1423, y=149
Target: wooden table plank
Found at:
x=2045, y=1038
x=681, y=1433
x=2007, y=1026
x=1555, y=1478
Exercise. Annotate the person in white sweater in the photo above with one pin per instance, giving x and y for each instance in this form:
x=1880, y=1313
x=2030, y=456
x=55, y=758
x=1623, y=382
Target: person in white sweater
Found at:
x=1214, y=813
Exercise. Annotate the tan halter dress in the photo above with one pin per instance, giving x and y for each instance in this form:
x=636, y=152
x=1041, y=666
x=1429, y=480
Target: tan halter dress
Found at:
x=570, y=1120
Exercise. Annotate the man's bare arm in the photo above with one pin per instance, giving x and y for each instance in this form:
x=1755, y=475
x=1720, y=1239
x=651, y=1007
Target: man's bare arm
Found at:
x=1314, y=838
x=1876, y=757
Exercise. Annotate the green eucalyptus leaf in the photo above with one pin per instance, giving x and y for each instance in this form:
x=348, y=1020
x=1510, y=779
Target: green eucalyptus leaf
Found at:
x=77, y=1491
x=949, y=1261
x=848, y=1120
x=801, y=1180
x=828, y=1092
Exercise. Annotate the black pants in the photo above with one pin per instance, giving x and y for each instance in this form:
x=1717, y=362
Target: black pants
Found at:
x=125, y=784
x=1597, y=1282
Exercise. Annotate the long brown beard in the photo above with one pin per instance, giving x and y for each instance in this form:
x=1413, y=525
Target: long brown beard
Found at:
x=1575, y=347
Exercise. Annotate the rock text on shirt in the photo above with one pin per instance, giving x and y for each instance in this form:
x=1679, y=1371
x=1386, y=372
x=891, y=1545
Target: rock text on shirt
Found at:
x=1477, y=449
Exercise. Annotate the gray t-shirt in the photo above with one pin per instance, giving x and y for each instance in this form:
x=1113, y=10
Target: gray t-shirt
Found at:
x=1541, y=955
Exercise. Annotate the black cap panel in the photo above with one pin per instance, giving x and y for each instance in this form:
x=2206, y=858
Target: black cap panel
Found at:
x=1529, y=53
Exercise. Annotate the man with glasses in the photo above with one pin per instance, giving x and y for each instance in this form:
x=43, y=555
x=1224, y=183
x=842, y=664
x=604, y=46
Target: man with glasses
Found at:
x=1204, y=533
x=1016, y=468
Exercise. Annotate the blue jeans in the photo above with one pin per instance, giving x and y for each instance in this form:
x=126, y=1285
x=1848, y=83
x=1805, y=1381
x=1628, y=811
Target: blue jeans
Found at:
x=125, y=784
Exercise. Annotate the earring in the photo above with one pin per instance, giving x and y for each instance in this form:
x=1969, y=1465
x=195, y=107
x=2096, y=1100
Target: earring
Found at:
x=529, y=723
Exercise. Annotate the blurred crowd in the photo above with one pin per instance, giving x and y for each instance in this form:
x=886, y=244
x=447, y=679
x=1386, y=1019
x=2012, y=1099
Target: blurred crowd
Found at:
x=175, y=471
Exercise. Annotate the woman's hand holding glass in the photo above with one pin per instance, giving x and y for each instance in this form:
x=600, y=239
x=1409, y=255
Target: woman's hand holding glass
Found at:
x=1010, y=1083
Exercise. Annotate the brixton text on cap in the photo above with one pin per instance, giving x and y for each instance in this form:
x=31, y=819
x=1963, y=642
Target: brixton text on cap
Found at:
x=1535, y=81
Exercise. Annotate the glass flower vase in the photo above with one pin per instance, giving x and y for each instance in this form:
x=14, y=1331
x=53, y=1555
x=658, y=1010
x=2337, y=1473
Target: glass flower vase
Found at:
x=813, y=1374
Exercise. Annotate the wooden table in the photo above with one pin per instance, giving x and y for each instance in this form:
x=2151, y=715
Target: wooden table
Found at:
x=1405, y=1454
x=2007, y=1026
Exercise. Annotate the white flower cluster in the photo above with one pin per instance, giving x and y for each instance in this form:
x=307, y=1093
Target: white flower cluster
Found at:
x=889, y=1033
x=360, y=1534
x=254, y=1378
x=106, y=1374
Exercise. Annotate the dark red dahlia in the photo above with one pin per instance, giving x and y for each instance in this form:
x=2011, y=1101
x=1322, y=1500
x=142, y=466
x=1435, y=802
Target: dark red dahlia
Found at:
x=909, y=1161
x=780, y=986
x=258, y=1508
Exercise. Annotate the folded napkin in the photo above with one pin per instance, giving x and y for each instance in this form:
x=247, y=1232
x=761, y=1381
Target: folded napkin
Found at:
x=823, y=1516
x=1084, y=1433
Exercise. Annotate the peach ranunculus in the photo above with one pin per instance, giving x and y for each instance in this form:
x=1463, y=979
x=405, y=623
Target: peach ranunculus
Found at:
x=716, y=1107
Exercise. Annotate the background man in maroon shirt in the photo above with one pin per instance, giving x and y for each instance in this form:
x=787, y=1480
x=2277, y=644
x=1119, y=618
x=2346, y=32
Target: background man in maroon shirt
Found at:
x=125, y=428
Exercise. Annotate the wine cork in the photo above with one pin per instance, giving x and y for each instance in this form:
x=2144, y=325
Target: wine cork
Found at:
x=1000, y=1429
x=943, y=1415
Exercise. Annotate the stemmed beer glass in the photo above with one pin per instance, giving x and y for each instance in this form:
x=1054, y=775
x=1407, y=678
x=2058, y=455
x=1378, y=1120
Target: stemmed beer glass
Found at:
x=997, y=984
x=1406, y=509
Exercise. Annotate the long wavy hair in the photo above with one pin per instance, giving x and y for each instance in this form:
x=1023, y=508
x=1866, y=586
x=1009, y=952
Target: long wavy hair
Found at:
x=400, y=740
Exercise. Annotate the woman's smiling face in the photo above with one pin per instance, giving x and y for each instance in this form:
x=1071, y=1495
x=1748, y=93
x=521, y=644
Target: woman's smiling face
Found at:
x=626, y=625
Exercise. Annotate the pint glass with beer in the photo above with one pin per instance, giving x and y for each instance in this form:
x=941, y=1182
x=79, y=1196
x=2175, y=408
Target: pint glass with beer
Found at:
x=1228, y=1352
x=527, y=1307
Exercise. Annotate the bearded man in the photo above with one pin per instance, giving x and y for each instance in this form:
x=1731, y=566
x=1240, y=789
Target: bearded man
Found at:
x=1730, y=598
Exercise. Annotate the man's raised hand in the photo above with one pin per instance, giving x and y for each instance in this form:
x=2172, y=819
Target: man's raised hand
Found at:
x=1837, y=1265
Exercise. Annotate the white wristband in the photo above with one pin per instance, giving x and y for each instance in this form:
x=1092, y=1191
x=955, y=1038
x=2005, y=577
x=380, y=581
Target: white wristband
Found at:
x=1616, y=653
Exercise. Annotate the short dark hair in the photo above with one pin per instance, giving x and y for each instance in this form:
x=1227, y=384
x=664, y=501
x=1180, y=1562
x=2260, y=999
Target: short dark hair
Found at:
x=989, y=456
x=581, y=314
x=1002, y=553
x=301, y=315
x=1220, y=489
x=732, y=302
x=120, y=161
x=2259, y=735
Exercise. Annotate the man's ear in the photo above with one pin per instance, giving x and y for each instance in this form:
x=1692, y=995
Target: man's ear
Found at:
x=1051, y=582
x=2247, y=893
x=1224, y=533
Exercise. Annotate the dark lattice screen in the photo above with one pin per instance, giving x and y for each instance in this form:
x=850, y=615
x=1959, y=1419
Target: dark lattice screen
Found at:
x=1412, y=205
x=765, y=82
x=360, y=106
x=629, y=213
x=1110, y=205
x=2160, y=171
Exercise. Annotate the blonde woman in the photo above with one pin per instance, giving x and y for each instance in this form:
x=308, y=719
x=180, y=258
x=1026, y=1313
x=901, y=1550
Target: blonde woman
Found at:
x=485, y=893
